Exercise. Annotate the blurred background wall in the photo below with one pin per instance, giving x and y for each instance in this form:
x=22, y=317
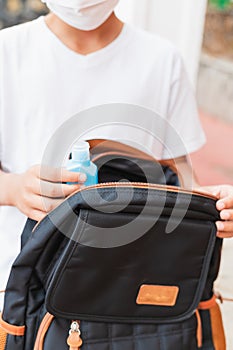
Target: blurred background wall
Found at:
x=215, y=83
x=18, y=11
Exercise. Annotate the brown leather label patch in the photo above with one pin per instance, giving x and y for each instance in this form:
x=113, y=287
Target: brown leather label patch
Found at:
x=157, y=295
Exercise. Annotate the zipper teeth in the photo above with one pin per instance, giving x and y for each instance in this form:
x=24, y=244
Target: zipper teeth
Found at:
x=138, y=185
x=149, y=186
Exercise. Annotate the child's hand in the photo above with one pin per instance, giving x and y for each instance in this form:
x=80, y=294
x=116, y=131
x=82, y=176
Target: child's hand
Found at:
x=40, y=189
x=225, y=206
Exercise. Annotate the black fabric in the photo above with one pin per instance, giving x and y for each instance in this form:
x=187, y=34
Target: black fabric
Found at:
x=99, y=336
x=116, y=168
x=98, y=286
x=27, y=232
x=89, y=283
x=207, y=330
x=98, y=270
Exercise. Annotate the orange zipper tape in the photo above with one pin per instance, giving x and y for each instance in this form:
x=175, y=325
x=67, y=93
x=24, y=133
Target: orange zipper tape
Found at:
x=44, y=326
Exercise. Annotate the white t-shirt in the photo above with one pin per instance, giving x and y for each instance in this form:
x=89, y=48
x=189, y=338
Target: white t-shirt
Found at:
x=43, y=83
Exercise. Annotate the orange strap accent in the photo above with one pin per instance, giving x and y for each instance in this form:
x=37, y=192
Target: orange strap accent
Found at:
x=3, y=339
x=217, y=328
x=216, y=321
x=44, y=326
x=11, y=329
x=199, y=330
x=205, y=305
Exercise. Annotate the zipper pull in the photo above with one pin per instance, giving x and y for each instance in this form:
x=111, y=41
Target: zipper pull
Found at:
x=74, y=340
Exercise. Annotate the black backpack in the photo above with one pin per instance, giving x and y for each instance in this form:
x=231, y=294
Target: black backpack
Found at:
x=84, y=281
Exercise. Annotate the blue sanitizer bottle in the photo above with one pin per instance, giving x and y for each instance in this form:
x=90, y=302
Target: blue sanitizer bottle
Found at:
x=80, y=162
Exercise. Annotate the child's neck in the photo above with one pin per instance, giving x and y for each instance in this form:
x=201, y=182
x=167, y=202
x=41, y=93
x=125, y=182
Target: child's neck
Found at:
x=85, y=42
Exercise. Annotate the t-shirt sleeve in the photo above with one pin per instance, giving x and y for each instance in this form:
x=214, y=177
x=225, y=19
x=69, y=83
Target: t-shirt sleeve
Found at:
x=184, y=133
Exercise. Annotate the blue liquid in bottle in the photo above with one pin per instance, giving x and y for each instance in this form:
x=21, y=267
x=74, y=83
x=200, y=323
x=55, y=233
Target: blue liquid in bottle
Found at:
x=80, y=162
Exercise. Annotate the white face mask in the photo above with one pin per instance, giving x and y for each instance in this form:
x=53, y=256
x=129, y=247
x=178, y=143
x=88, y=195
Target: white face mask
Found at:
x=82, y=14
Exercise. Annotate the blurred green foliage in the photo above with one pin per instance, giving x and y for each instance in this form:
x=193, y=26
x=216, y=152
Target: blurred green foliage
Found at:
x=221, y=4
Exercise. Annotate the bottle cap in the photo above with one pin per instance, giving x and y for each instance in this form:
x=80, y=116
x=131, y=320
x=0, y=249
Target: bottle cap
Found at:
x=80, y=151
